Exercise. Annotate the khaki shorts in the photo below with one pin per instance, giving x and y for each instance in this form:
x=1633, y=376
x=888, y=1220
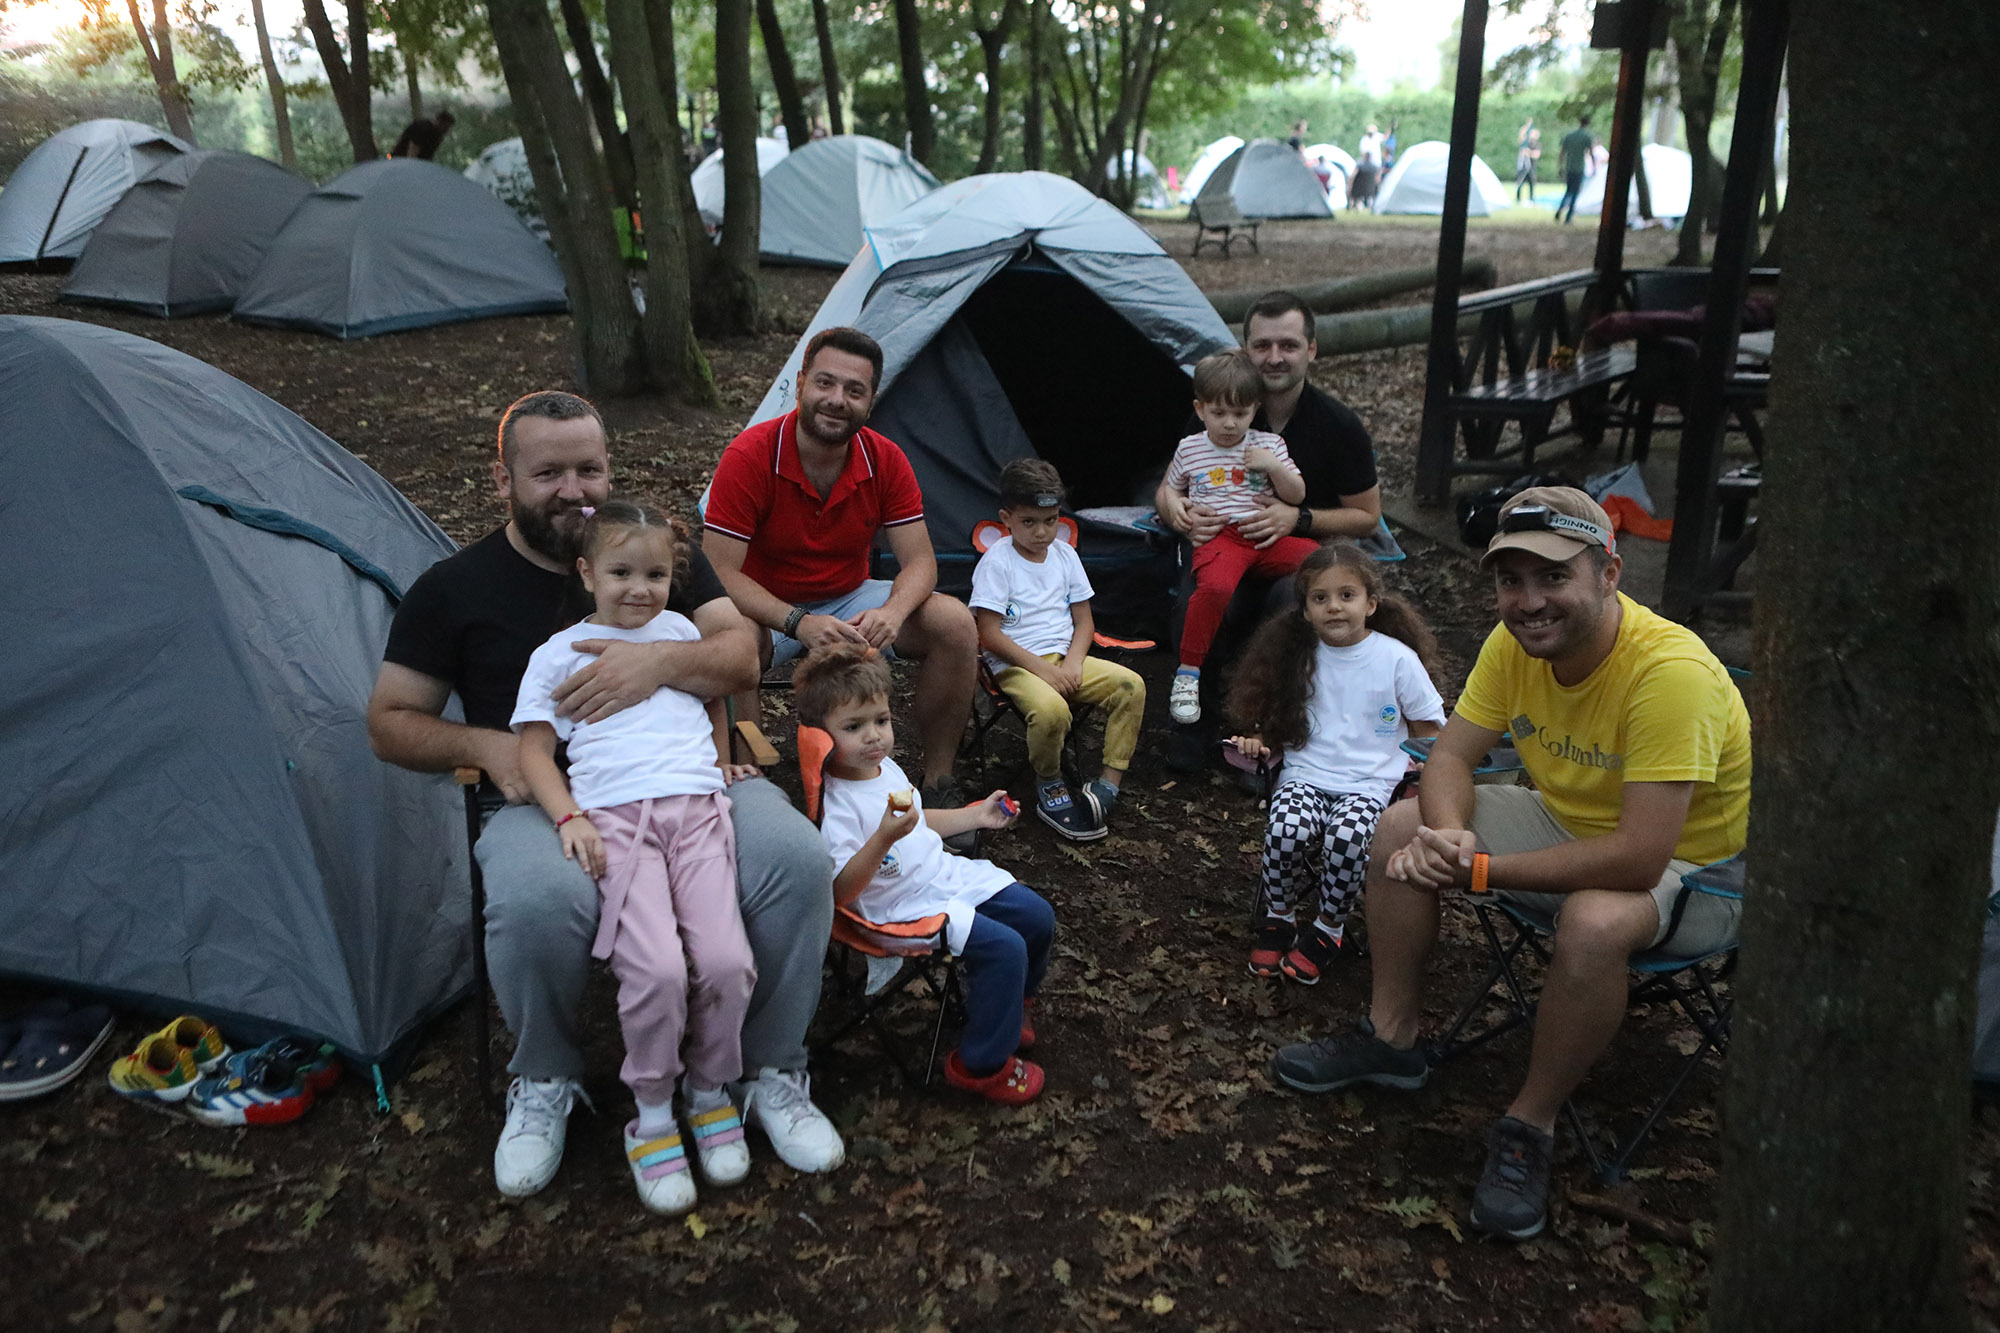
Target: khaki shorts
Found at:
x=1513, y=819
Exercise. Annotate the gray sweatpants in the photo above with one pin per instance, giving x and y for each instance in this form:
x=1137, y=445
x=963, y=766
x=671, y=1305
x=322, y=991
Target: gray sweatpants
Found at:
x=541, y=916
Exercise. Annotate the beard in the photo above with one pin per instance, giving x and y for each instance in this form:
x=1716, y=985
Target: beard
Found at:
x=546, y=531
x=811, y=425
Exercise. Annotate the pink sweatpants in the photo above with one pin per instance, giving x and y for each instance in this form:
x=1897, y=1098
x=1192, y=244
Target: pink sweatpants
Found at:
x=668, y=922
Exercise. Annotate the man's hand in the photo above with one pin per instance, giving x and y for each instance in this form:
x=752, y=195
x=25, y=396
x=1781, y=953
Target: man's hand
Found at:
x=1276, y=519
x=879, y=626
x=826, y=631
x=1435, y=859
x=1061, y=677
x=500, y=757
x=623, y=674
x=1203, y=523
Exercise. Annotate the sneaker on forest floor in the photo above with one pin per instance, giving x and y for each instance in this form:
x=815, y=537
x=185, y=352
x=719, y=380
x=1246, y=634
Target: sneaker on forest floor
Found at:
x=1274, y=939
x=779, y=1102
x=167, y=1064
x=531, y=1142
x=1184, y=700
x=660, y=1171
x=1512, y=1198
x=1015, y=1083
x=256, y=1087
x=717, y=1130
x=1349, y=1056
x=1074, y=817
x=1309, y=959
x=1107, y=798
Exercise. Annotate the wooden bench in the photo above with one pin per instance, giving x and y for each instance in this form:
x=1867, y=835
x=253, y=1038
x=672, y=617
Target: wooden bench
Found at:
x=1531, y=399
x=1220, y=215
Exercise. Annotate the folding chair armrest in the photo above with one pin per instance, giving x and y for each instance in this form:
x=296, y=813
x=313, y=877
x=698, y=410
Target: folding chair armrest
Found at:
x=762, y=752
x=1720, y=879
x=466, y=775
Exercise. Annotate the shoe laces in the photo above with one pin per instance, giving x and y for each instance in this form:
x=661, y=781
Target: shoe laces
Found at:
x=1518, y=1156
x=537, y=1108
x=786, y=1093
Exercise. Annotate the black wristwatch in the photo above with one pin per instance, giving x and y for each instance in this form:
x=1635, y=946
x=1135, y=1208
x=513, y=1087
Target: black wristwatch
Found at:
x=1304, y=527
x=791, y=629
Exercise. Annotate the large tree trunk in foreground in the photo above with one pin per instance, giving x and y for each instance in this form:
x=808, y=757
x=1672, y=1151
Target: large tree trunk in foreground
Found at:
x=157, y=43
x=829, y=68
x=784, y=80
x=603, y=112
x=916, y=95
x=1843, y=1184
x=729, y=301
x=352, y=91
x=274, y=79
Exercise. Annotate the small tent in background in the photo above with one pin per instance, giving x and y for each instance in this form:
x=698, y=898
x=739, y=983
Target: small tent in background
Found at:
x=1148, y=190
x=710, y=192
x=987, y=297
x=1338, y=167
x=200, y=826
x=1211, y=157
x=186, y=238
x=1266, y=179
x=400, y=243
x=503, y=168
x=1416, y=183
x=818, y=201
x=1669, y=186
x=61, y=190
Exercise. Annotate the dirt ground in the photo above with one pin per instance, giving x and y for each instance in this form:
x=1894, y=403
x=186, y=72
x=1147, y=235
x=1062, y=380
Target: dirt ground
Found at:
x=1161, y=1182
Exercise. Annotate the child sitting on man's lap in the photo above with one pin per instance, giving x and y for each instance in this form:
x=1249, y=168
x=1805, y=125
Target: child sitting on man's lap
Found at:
x=1233, y=471
x=890, y=865
x=1031, y=599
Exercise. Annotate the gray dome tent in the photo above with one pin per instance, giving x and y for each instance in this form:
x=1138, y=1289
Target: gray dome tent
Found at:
x=61, y=190
x=400, y=243
x=1021, y=315
x=186, y=238
x=193, y=821
x=503, y=169
x=820, y=197
x=1266, y=179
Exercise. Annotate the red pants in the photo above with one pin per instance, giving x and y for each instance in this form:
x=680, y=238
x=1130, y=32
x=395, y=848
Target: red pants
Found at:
x=1219, y=565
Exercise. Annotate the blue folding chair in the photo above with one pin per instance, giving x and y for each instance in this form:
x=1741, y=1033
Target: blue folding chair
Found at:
x=1692, y=985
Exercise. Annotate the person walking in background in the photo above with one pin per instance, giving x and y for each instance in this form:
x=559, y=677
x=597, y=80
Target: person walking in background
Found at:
x=421, y=137
x=1298, y=140
x=1573, y=152
x=1526, y=156
x=1367, y=169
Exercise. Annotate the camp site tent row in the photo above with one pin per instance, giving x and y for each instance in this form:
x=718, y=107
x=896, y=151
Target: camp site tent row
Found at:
x=1148, y=190
x=200, y=826
x=1211, y=157
x=1416, y=183
x=988, y=297
x=188, y=235
x=1266, y=179
x=1669, y=185
x=710, y=193
x=1339, y=164
x=821, y=198
x=60, y=192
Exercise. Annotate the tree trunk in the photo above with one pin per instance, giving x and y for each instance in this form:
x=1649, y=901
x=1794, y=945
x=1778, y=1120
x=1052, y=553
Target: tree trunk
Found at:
x=1031, y=112
x=575, y=196
x=157, y=43
x=1699, y=41
x=790, y=105
x=351, y=90
x=829, y=68
x=1644, y=186
x=603, y=112
x=1772, y=256
x=1843, y=1178
x=916, y=96
x=281, y=114
x=702, y=259
x=415, y=89
x=729, y=301
x=992, y=45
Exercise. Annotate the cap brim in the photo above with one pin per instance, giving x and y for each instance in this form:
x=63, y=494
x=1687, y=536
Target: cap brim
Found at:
x=1548, y=545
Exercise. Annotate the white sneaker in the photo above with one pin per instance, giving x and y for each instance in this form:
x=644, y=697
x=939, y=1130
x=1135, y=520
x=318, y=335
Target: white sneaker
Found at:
x=717, y=1131
x=1184, y=702
x=660, y=1171
x=531, y=1144
x=778, y=1101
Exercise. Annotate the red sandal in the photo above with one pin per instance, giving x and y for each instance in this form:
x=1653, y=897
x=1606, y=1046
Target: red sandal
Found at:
x=1015, y=1083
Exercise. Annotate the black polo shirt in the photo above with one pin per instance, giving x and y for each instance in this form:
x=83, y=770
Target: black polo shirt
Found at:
x=1334, y=454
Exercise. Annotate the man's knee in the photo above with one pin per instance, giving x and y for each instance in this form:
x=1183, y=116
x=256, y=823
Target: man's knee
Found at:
x=1399, y=824
x=1602, y=928
x=782, y=864
x=947, y=627
x=535, y=897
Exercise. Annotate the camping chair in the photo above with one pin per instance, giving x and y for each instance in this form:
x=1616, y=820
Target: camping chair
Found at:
x=1691, y=985
x=894, y=955
x=482, y=1037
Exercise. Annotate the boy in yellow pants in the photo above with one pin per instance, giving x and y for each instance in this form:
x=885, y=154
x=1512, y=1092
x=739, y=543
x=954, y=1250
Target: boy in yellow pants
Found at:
x=1031, y=600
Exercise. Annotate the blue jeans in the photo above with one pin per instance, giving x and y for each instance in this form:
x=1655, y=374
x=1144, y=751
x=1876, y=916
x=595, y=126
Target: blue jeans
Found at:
x=1572, y=187
x=1005, y=956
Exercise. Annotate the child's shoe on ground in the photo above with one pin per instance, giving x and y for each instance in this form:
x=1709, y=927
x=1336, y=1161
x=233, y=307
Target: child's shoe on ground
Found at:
x=1106, y=796
x=1274, y=941
x=317, y=1061
x=1014, y=1083
x=1184, y=700
x=660, y=1171
x=1310, y=958
x=258, y=1087
x=1071, y=817
x=717, y=1131
x=48, y=1046
x=166, y=1065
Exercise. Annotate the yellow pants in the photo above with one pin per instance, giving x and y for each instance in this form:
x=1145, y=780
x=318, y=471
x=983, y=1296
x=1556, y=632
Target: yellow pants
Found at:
x=1116, y=689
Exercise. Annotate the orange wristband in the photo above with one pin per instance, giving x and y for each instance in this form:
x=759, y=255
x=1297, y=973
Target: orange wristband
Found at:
x=1479, y=864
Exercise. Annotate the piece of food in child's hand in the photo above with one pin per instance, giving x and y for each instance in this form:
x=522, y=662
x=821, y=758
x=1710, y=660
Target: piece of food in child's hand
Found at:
x=1010, y=807
x=901, y=801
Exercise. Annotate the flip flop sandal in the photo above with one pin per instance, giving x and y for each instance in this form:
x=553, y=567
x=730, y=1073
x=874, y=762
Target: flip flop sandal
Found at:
x=53, y=1048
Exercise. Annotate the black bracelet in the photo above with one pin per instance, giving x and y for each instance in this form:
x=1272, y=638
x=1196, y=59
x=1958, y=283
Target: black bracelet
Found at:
x=791, y=630
x=1304, y=527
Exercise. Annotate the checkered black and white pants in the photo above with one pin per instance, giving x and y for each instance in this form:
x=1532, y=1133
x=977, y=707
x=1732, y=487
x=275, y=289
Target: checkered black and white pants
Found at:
x=1317, y=840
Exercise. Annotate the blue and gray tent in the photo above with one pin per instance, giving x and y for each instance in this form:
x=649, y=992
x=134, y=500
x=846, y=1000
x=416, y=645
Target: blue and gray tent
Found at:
x=60, y=192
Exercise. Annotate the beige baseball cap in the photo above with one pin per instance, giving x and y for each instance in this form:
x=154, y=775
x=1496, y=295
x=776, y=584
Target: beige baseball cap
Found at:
x=1554, y=522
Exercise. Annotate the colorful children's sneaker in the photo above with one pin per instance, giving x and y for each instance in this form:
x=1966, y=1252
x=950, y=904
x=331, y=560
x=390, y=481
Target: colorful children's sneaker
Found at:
x=257, y=1087
x=717, y=1131
x=318, y=1063
x=1274, y=940
x=660, y=1171
x=1015, y=1083
x=1309, y=959
x=166, y=1065
x=1074, y=817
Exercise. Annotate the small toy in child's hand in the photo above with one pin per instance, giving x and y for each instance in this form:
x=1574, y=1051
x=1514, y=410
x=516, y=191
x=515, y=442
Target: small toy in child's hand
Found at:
x=1010, y=807
x=901, y=801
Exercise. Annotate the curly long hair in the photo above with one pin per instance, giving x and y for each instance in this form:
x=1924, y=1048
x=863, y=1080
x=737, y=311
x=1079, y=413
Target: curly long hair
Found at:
x=1274, y=683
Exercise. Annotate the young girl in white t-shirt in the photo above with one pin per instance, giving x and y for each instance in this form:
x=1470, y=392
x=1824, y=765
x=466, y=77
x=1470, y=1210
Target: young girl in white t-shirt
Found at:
x=1338, y=685
x=643, y=812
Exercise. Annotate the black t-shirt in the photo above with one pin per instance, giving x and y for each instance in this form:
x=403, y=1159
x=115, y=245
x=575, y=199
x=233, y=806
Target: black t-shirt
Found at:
x=1334, y=454
x=473, y=619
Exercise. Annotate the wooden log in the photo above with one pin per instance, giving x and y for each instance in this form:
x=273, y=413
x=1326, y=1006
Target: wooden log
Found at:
x=1398, y=326
x=1336, y=294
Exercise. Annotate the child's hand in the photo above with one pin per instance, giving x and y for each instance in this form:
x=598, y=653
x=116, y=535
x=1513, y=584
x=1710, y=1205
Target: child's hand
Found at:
x=1250, y=747
x=1063, y=678
x=897, y=820
x=1259, y=459
x=735, y=773
x=993, y=812
x=583, y=844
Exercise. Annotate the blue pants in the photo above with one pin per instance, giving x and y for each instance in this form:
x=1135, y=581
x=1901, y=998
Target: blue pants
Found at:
x=1572, y=187
x=1005, y=956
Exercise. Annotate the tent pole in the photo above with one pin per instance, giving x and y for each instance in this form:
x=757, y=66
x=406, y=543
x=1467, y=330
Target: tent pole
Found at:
x=42, y=250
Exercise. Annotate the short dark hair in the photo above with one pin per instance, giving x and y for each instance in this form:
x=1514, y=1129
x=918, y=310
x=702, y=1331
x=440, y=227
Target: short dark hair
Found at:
x=1026, y=480
x=846, y=673
x=1228, y=378
x=851, y=341
x=1274, y=305
x=1583, y=119
x=548, y=404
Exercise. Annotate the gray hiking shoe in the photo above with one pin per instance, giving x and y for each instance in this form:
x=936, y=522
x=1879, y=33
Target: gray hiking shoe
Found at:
x=1512, y=1198
x=1355, y=1055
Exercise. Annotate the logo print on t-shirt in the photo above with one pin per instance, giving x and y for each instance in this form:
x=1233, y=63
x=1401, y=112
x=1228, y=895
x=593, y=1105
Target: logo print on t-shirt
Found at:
x=1011, y=616
x=1386, y=719
x=890, y=867
x=1523, y=728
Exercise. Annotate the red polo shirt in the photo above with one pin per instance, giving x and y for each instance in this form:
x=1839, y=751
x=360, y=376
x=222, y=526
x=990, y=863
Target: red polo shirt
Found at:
x=804, y=548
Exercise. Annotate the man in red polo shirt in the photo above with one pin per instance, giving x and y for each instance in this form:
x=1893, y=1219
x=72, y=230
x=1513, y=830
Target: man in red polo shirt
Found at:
x=792, y=515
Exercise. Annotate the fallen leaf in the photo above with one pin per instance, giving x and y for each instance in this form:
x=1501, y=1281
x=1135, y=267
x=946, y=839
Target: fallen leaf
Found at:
x=1161, y=1304
x=413, y=1121
x=1059, y=1270
x=50, y=1210
x=241, y=1286
x=696, y=1227
x=222, y=1168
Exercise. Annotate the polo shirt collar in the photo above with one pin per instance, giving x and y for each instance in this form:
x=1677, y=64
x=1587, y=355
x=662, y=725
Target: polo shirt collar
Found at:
x=860, y=462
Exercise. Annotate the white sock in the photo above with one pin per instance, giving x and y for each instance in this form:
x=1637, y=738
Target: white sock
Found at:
x=656, y=1119
x=704, y=1099
x=1334, y=933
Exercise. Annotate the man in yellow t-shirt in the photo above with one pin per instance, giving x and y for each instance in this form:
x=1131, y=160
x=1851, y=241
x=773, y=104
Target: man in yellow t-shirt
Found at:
x=1639, y=747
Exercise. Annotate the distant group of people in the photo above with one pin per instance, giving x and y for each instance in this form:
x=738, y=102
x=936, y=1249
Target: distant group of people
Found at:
x=591, y=644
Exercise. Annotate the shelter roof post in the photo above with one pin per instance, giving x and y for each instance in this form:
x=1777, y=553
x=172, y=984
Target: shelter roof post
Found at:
x=1635, y=30
x=1690, y=552
x=1436, y=439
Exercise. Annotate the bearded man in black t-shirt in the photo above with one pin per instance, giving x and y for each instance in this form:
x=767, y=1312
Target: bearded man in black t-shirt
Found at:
x=467, y=627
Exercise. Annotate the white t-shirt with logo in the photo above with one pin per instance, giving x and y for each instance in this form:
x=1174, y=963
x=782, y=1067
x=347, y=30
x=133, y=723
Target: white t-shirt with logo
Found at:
x=1211, y=475
x=660, y=746
x=1033, y=599
x=1364, y=698
x=918, y=878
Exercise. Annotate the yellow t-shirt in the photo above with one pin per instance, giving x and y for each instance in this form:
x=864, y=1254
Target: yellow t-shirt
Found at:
x=1660, y=708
